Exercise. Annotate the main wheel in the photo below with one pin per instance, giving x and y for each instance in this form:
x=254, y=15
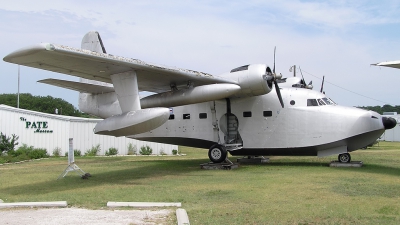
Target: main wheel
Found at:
x=217, y=153
x=344, y=158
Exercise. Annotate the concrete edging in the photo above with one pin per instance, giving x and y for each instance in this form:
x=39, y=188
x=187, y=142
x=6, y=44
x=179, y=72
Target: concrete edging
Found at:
x=182, y=217
x=144, y=204
x=34, y=204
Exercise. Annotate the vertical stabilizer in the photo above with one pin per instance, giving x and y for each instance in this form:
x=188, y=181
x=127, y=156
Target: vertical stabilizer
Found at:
x=92, y=41
x=102, y=105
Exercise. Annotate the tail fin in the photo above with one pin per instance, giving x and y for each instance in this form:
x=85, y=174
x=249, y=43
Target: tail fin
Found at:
x=92, y=41
x=99, y=104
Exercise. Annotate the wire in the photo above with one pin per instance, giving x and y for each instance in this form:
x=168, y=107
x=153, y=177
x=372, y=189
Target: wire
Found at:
x=346, y=89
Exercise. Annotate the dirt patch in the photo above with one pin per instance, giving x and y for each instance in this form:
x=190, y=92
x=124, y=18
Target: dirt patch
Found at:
x=67, y=216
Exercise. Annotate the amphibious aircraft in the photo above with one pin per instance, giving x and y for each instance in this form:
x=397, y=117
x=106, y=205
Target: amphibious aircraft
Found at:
x=248, y=111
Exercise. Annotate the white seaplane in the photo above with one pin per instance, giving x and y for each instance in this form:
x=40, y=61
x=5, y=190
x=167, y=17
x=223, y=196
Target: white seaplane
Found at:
x=248, y=111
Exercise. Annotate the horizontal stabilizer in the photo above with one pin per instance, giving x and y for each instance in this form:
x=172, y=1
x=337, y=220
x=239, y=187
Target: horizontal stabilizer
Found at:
x=79, y=86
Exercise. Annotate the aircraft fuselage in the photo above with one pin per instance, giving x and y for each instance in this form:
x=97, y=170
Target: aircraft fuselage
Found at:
x=260, y=126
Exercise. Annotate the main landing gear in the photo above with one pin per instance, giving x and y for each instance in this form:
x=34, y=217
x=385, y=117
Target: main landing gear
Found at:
x=344, y=158
x=217, y=153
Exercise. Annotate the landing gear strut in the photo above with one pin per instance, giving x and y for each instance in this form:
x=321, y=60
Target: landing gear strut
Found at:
x=217, y=153
x=344, y=158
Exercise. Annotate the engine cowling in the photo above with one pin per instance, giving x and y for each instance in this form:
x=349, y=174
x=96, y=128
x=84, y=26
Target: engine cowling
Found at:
x=251, y=80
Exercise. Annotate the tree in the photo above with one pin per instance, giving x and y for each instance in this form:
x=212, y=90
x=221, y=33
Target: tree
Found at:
x=45, y=104
x=7, y=144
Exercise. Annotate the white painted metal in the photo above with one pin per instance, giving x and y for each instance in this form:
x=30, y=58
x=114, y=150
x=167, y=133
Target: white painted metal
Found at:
x=65, y=127
x=188, y=96
x=133, y=122
x=127, y=91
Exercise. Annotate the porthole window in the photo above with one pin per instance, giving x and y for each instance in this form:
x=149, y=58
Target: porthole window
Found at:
x=171, y=116
x=203, y=115
x=246, y=114
x=292, y=102
x=186, y=116
x=267, y=113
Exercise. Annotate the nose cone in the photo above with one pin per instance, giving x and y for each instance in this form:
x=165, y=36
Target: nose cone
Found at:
x=388, y=122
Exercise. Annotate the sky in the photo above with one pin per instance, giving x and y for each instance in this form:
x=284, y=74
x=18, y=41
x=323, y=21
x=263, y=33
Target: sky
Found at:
x=336, y=39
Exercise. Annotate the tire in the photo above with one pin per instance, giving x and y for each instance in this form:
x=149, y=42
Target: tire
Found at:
x=217, y=153
x=344, y=158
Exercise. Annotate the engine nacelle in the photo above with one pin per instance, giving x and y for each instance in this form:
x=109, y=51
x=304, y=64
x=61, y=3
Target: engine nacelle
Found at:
x=250, y=79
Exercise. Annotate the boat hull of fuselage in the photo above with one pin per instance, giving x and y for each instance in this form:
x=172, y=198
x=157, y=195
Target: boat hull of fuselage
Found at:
x=297, y=130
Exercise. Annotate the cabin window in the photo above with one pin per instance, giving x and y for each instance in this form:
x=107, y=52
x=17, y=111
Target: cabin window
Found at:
x=203, y=115
x=171, y=117
x=267, y=113
x=292, y=102
x=246, y=67
x=312, y=102
x=247, y=114
x=186, y=116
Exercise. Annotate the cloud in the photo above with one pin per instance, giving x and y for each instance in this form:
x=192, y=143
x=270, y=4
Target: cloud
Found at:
x=337, y=39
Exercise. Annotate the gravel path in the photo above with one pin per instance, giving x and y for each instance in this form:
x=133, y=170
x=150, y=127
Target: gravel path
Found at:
x=67, y=216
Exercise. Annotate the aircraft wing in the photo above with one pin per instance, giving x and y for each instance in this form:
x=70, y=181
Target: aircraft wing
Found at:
x=393, y=64
x=99, y=66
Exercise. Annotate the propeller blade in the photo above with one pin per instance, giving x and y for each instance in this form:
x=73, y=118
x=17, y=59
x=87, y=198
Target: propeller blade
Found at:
x=274, y=59
x=304, y=81
x=322, y=85
x=278, y=92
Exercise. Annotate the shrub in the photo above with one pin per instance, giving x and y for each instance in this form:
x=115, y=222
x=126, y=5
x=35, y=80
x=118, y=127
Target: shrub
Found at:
x=78, y=152
x=145, y=150
x=93, y=151
x=162, y=152
x=112, y=151
x=24, y=149
x=38, y=153
x=7, y=144
x=174, y=151
x=132, y=150
x=57, y=152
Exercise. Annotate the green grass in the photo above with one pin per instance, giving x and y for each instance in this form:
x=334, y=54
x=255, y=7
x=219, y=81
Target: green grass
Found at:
x=288, y=190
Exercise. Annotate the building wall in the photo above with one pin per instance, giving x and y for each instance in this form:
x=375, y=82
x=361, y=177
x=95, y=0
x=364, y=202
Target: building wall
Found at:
x=55, y=132
x=394, y=133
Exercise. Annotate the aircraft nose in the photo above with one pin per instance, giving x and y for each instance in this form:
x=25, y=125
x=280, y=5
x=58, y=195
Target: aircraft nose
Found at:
x=388, y=122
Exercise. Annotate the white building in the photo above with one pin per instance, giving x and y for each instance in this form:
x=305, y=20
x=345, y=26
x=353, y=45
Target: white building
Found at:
x=394, y=133
x=49, y=131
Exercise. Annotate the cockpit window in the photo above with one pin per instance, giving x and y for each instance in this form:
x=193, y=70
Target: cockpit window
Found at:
x=312, y=102
x=321, y=102
x=246, y=67
x=328, y=101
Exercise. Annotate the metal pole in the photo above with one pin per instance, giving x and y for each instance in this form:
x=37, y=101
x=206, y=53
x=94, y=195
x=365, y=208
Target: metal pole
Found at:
x=294, y=72
x=18, y=90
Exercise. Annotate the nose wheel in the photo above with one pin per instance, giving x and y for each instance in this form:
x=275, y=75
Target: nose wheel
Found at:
x=344, y=158
x=217, y=153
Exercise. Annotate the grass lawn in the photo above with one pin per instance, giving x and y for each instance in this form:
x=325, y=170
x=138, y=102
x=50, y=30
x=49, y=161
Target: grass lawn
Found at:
x=288, y=190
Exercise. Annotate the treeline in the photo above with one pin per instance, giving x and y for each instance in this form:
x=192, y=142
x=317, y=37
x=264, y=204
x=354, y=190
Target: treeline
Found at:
x=45, y=104
x=381, y=109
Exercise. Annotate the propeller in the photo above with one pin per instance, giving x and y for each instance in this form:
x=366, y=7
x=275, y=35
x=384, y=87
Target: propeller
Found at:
x=272, y=77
